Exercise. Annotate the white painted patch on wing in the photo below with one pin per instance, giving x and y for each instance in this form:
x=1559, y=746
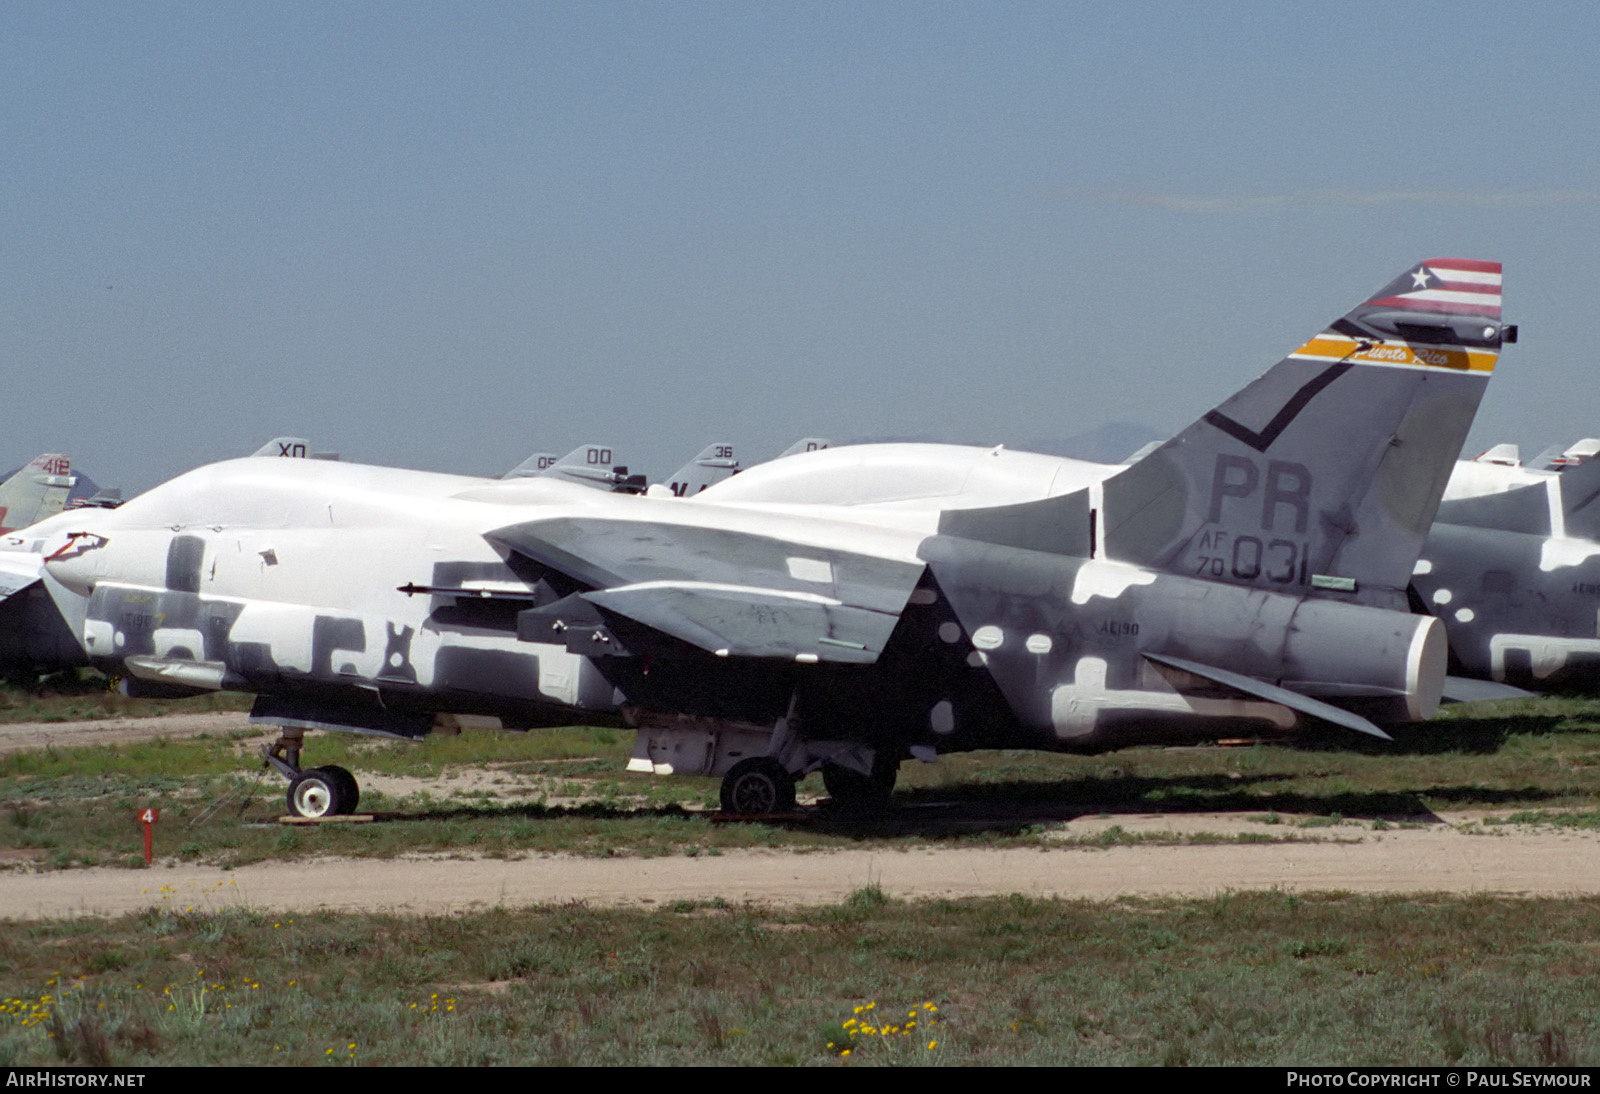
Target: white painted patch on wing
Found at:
x=988, y=638
x=1108, y=579
x=949, y=632
x=1556, y=553
x=1443, y=596
x=1039, y=643
x=1423, y=566
x=811, y=569
x=942, y=718
x=1466, y=615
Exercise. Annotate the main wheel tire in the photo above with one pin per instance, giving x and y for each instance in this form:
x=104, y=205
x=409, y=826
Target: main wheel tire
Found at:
x=351, y=791
x=757, y=787
x=316, y=793
x=853, y=790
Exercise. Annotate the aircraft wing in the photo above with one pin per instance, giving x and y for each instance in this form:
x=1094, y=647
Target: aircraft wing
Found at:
x=729, y=592
x=17, y=575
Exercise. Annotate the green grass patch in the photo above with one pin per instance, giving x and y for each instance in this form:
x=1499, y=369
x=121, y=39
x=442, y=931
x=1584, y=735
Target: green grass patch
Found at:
x=509, y=794
x=1265, y=979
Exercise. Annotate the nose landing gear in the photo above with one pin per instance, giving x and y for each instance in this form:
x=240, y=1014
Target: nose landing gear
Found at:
x=317, y=792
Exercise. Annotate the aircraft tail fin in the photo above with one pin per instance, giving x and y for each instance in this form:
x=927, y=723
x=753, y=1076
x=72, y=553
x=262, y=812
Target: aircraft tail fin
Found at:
x=595, y=465
x=804, y=444
x=1323, y=475
x=715, y=463
x=287, y=447
x=36, y=491
x=295, y=448
x=536, y=464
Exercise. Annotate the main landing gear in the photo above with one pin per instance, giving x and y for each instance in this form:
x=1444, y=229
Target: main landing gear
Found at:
x=329, y=791
x=762, y=786
x=757, y=787
x=860, y=793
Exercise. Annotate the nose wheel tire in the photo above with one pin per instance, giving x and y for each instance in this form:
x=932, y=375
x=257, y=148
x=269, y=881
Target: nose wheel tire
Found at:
x=757, y=787
x=351, y=788
x=323, y=792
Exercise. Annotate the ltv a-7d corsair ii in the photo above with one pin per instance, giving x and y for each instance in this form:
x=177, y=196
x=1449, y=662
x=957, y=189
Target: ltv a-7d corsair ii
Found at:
x=842, y=609
x=1512, y=567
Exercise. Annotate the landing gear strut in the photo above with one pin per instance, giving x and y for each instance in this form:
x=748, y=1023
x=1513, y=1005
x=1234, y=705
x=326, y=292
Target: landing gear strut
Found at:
x=318, y=792
x=855, y=791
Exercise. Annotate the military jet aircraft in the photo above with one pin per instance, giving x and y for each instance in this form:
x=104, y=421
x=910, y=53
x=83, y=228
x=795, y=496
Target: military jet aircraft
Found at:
x=840, y=609
x=36, y=491
x=1512, y=566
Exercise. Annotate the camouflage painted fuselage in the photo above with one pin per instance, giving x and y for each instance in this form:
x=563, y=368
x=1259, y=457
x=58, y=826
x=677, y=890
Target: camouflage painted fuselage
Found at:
x=1512, y=569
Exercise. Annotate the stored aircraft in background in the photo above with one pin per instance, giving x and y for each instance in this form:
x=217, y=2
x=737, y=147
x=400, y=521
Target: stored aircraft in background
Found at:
x=1512, y=566
x=292, y=448
x=840, y=609
x=36, y=491
x=715, y=463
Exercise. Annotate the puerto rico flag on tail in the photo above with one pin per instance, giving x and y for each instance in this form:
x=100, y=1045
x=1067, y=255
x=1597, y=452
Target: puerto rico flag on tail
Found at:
x=1449, y=286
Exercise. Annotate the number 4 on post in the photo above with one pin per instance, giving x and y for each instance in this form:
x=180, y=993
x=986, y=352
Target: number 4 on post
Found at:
x=147, y=820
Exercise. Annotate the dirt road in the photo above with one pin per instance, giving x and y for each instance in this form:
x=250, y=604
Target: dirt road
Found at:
x=1437, y=859
x=22, y=736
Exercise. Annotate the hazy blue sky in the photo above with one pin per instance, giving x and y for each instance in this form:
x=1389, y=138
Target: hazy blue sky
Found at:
x=446, y=235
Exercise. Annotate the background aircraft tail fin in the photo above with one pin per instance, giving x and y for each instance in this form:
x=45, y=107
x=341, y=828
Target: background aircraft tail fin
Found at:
x=804, y=444
x=286, y=447
x=1324, y=474
x=36, y=491
x=293, y=448
x=536, y=464
x=715, y=463
x=595, y=465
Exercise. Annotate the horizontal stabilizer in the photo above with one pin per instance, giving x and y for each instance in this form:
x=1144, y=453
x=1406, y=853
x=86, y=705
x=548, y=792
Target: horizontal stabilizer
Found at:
x=1461, y=689
x=1249, y=685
